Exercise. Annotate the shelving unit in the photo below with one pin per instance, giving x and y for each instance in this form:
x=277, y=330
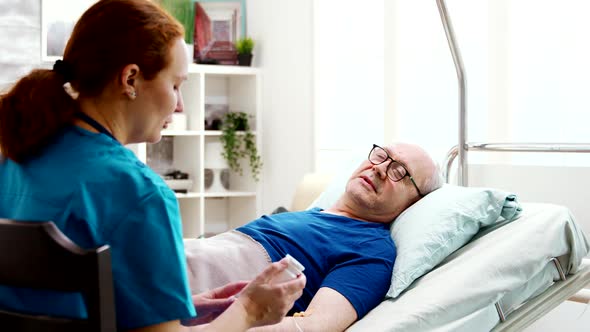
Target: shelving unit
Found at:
x=206, y=212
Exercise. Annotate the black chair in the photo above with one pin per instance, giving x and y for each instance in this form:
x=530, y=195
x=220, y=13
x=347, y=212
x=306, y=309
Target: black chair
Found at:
x=39, y=255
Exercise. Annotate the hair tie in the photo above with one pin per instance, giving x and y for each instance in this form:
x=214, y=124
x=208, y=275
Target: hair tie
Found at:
x=63, y=69
x=71, y=91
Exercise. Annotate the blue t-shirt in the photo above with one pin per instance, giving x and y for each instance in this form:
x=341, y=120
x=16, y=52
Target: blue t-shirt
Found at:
x=97, y=192
x=351, y=256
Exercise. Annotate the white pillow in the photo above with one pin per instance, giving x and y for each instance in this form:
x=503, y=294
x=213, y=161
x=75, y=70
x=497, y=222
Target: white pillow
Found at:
x=440, y=223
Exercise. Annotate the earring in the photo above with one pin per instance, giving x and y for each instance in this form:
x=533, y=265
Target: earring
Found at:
x=132, y=94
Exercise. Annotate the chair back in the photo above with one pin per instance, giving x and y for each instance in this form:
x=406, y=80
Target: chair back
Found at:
x=37, y=255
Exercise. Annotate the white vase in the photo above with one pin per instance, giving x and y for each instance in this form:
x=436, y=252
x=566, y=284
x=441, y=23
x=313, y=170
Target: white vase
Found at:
x=218, y=174
x=190, y=52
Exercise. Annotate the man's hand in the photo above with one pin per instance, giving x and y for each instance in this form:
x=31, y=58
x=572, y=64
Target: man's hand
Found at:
x=212, y=303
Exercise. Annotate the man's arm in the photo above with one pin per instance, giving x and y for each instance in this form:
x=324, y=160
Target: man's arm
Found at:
x=328, y=311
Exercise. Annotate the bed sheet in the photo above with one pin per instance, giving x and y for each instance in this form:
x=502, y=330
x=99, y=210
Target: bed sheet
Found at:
x=540, y=305
x=506, y=265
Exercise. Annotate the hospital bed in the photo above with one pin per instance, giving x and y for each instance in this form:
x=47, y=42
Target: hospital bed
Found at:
x=568, y=288
x=504, y=278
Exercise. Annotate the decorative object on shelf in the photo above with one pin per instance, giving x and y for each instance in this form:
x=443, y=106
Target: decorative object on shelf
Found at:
x=237, y=145
x=215, y=108
x=216, y=168
x=218, y=24
x=160, y=156
x=224, y=178
x=218, y=177
x=244, y=46
x=178, y=181
x=208, y=178
x=184, y=12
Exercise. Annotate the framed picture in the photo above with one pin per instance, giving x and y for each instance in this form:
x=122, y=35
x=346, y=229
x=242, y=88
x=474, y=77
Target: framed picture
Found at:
x=58, y=18
x=218, y=24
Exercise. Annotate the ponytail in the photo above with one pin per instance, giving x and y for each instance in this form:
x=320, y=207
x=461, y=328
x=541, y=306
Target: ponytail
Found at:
x=32, y=112
x=108, y=36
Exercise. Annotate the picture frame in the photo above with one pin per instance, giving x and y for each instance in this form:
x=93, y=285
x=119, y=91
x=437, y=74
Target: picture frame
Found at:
x=218, y=24
x=58, y=18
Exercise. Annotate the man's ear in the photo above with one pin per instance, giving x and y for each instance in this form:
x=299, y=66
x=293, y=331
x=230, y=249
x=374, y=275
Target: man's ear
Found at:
x=129, y=79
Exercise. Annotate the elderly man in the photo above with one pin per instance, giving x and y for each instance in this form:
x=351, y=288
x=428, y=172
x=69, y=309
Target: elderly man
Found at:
x=347, y=251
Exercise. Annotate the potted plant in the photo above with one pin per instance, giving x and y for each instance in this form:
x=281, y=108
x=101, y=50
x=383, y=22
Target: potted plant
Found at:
x=244, y=47
x=238, y=142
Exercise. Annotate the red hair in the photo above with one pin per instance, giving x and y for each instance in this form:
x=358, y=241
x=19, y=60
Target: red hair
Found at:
x=108, y=36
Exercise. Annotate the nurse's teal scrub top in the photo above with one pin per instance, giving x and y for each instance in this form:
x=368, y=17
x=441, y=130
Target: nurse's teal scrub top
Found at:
x=97, y=192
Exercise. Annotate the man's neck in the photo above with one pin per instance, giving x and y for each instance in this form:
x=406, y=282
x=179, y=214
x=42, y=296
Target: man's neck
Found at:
x=342, y=212
x=348, y=209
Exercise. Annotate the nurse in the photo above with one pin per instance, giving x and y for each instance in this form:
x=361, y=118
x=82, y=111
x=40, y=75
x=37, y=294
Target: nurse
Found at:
x=62, y=137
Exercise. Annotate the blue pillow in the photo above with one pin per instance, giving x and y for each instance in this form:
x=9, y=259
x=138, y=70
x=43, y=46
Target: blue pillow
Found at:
x=440, y=223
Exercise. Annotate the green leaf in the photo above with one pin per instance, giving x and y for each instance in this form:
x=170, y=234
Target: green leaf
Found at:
x=237, y=145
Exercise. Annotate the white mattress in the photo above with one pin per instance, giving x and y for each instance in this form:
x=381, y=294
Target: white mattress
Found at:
x=507, y=265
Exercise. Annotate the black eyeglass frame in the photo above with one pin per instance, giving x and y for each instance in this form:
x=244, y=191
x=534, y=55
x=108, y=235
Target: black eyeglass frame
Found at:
x=390, y=165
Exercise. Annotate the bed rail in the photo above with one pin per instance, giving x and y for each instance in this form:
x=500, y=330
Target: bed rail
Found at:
x=511, y=147
x=562, y=277
x=540, y=305
x=460, y=150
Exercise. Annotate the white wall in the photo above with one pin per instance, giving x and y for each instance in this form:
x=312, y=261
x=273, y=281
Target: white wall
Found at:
x=283, y=30
x=19, y=55
x=348, y=78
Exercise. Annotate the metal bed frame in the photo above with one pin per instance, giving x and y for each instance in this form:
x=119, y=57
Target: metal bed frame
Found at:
x=464, y=146
x=557, y=293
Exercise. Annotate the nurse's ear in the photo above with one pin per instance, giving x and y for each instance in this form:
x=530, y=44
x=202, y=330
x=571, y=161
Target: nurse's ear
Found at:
x=128, y=80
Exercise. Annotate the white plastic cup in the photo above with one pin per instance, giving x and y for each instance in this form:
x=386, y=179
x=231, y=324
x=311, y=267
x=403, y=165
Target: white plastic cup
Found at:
x=293, y=270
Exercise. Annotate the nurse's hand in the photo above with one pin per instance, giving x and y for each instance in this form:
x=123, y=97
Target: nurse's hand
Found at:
x=265, y=302
x=212, y=303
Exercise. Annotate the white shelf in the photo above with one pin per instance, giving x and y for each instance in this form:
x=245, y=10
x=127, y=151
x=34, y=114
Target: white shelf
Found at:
x=216, y=194
x=188, y=195
x=222, y=70
x=230, y=194
x=181, y=133
x=200, y=209
x=218, y=132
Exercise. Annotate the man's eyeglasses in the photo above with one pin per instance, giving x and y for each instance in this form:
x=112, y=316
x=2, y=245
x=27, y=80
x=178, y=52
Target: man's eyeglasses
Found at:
x=395, y=170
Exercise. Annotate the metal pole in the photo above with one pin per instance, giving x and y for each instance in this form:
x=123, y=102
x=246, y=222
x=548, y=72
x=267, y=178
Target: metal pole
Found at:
x=531, y=147
x=513, y=147
x=446, y=21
